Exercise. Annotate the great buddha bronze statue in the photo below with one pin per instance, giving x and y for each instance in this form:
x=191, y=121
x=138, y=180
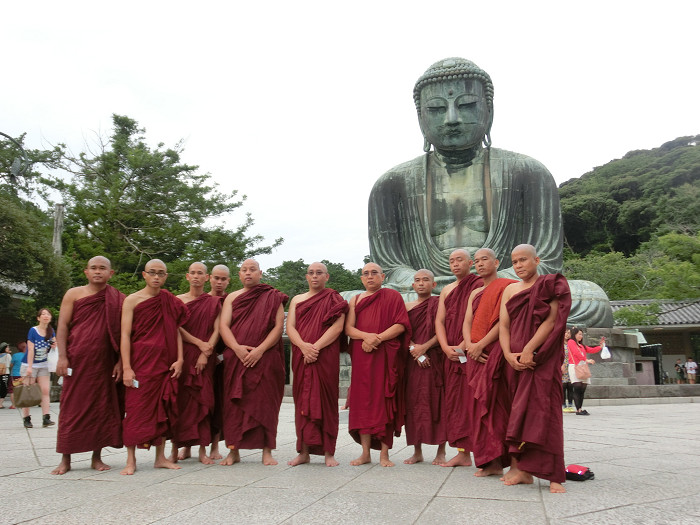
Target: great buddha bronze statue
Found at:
x=463, y=193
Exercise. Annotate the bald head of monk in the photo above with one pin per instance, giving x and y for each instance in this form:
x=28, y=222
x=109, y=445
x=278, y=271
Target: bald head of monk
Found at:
x=219, y=279
x=486, y=263
x=423, y=283
x=155, y=273
x=460, y=263
x=250, y=273
x=317, y=276
x=525, y=262
x=372, y=277
x=197, y=275
x=98, y=270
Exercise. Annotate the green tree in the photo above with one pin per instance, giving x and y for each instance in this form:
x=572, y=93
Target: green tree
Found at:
x=637, y=315
x=133, y=203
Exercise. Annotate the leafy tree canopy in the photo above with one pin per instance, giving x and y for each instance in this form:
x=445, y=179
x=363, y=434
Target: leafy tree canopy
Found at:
x=290, y=277
x=133, y=203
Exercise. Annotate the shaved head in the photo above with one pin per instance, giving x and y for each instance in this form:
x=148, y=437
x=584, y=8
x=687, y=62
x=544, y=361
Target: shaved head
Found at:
x=155, y=262
x=99, y=259
x=318, y=266
x=461, y=251
x=423, y=271
x=198, y=265
x=221, y=268
x=528, y=248
x=485, y=251
x=248, y=262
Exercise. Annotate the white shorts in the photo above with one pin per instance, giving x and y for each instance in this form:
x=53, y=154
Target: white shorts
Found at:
x=37, y=371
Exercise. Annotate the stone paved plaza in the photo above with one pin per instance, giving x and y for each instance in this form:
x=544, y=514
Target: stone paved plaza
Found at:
x=646, y=458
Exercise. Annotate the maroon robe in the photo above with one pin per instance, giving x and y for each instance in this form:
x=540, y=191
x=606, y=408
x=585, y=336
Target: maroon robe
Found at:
x=315, y=388
x=253, y=396
x=196, y=391
x=490, y=407
x=376, y=396
x=457, y=390
x=91, y=417
x=535, y=433
x=151, y=409
x=217, y=416
x=424, y=386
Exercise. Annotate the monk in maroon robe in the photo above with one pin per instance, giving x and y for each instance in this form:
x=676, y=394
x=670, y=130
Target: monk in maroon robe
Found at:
x=251, y=326
x=532, y=325
x=424, y=373
x=315, y=327
x=88, y=342
x=196, y=389
x=488, y=411
x=219, y=279
x=448, y=327
x=151, y=349
x=378, y=325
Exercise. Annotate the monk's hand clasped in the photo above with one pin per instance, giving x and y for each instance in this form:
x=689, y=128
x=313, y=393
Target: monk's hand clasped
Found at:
x=201, y=363
x=309, y=352
x=514, y=361
x=254, y=355
x=475, y=352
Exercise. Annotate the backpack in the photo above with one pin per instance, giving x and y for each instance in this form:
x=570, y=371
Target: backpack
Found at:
x=579, y=473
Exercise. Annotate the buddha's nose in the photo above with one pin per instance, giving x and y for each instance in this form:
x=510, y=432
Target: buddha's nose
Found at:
x=453, y=114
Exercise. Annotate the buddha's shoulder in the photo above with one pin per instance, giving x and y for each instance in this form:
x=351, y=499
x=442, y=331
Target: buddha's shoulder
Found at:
x=403, y=171
x=513, y=159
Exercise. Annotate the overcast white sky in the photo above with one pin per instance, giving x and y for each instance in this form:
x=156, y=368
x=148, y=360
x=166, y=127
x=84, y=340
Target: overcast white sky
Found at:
x=302, y=105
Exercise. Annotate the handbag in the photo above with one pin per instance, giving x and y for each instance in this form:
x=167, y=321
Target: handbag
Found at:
x=582, y=371
x=27, y=395
x=579, y=473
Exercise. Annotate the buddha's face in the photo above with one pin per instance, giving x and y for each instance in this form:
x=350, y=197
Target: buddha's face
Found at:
x=454, y=114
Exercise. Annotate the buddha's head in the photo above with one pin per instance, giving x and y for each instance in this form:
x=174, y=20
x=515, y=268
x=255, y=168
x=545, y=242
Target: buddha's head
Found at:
x=454, y=100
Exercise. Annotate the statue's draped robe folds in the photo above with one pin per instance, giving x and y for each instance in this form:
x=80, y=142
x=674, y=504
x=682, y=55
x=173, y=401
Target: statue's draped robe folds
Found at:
x=253, y=396
x=196, y=395
x=151, y=409
x=457, y=390
x=315, y=387
x=91, y=415
x=535, y=434
x=521, y=203
x=424, y=386
x=376, y=393
x=491, y=404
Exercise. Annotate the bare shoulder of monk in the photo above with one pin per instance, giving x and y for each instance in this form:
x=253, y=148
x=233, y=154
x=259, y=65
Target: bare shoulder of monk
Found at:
x=448, y=289
x=513, y=289
x=136, y=298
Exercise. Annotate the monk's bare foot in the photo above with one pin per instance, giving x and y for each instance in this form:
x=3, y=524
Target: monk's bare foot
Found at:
x=511, y=473
x=267, y=458
x=517, y=477
x=128, y=470
x=62, y=468
x=203, y=458
x=556, y=488
x=331, y=461
x=415, y=458
x=173, y=457
x=299, y=460
x=491, y=469
x=364, y=458
x=214, y=451
x=384, y=460
x=98, y=464
x=439, y=459
x=184, y=453
x=233, y=457
x=462, y=459
x=166, y=463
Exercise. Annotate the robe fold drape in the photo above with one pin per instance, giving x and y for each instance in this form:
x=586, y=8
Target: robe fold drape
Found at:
x=91, y=401
x=315, y=388
x=376, y=390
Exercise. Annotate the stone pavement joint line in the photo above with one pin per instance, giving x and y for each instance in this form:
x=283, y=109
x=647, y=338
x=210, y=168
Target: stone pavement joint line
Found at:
x=645, y=457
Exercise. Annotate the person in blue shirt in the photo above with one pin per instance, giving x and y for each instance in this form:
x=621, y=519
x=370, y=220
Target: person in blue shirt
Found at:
x=15, y=373
x=40, y=340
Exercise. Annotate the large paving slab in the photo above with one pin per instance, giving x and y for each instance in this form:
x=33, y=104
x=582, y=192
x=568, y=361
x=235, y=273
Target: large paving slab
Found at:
x=646, y=458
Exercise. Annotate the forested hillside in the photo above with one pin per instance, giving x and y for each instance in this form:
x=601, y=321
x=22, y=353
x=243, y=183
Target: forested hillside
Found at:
x=632, y=225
